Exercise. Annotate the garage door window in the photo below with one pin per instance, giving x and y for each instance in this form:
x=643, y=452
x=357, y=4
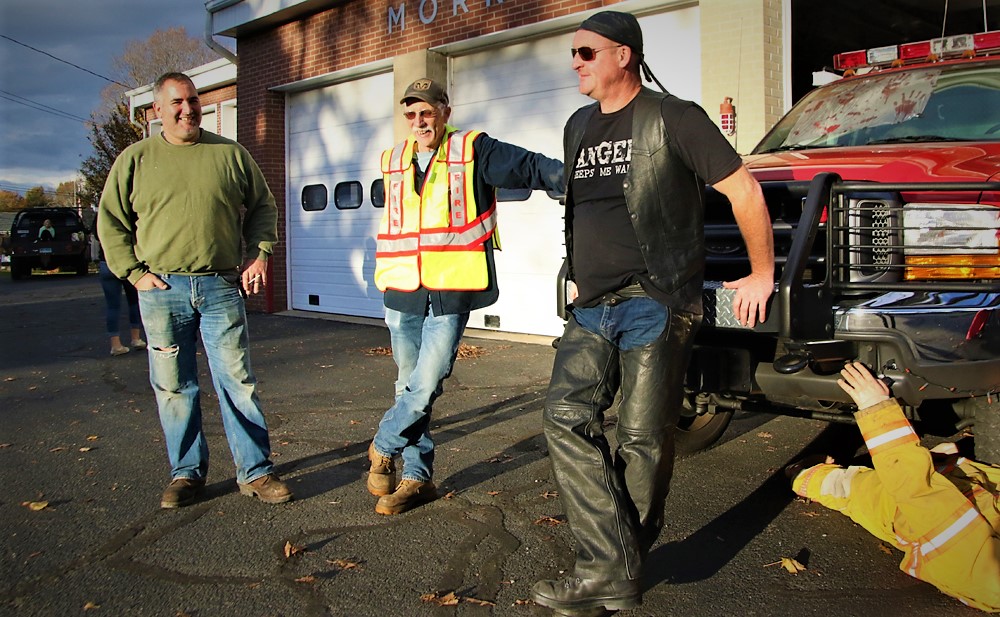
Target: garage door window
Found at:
x=348, y=195
x=378, y=193
x=314, y=197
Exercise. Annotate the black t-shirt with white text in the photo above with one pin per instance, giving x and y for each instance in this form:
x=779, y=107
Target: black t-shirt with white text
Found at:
x=606, y=254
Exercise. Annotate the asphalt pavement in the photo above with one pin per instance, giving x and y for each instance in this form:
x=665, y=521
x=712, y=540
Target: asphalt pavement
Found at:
x=82, y=466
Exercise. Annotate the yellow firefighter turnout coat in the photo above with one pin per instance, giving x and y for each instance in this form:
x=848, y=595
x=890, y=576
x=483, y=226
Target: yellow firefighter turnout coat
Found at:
x=943, y=514
x=433, y=236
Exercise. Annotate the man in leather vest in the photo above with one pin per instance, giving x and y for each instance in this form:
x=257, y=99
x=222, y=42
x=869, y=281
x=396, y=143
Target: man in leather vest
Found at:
x=636, y=165
x=434, y=261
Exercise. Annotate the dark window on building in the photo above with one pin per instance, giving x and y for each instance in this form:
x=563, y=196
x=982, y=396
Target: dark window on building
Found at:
x=348, y=195
x=314, y=197
x=378, y=193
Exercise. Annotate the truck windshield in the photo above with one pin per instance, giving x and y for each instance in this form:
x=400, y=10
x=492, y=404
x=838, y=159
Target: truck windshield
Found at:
x=925, y=104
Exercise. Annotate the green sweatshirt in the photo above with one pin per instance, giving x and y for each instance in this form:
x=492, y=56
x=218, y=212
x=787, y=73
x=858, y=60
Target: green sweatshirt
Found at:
x=177, y=209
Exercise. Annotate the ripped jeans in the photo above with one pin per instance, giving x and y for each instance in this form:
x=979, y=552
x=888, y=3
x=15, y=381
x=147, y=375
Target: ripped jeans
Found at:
x=211, y=305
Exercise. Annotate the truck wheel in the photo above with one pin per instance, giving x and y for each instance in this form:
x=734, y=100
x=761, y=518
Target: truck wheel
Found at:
x=986, y=430
x=699, y=432
x=19, y=269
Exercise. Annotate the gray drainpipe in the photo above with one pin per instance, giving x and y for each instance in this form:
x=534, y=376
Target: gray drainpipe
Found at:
x=212, y=43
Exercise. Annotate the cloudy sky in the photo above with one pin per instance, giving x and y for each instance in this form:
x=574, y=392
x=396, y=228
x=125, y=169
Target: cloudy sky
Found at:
x=47, y=147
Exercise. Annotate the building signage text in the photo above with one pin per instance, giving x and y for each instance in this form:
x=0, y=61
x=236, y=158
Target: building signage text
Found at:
x=427, y=11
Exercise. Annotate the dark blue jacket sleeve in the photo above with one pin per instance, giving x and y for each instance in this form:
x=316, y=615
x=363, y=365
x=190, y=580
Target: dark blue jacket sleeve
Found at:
x=508, y=166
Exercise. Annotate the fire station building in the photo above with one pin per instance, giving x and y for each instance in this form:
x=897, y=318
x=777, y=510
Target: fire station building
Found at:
x=319, y=83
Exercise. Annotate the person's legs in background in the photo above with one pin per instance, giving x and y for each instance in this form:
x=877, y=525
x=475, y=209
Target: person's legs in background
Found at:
x=134, y=317
x=112, y=288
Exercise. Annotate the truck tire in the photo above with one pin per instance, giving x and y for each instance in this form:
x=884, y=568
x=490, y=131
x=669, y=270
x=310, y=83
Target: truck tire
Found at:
x=986, y=431
x=19, y=269
x=700, y=432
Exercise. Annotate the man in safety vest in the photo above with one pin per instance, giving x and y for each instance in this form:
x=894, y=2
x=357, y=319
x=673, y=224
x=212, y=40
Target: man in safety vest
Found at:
x=434, y=261
x=936, y=506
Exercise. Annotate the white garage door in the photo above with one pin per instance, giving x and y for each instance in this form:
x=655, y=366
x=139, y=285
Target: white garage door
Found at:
x=335, y=138
x=523, y=94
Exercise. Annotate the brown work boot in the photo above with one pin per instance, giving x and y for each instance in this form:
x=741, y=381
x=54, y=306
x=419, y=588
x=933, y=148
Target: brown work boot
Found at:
x=381, y=474
x=409, y=494
x=181, y=492
x=269, y=489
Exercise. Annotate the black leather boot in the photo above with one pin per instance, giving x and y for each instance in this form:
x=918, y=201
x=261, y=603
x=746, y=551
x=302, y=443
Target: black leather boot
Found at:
x=575, y=595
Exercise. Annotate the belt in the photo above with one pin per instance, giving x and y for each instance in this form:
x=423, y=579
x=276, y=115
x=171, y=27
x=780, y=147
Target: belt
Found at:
x=612, y=298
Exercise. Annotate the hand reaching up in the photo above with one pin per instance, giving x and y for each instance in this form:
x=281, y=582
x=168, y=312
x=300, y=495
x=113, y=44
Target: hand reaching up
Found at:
x=862, y=386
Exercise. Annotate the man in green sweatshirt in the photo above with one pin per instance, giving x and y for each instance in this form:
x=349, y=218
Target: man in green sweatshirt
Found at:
x=170, y=223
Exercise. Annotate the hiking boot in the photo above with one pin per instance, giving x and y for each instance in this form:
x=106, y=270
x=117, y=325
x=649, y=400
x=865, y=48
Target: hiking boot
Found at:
x=381, y=474
x=181, y=492
x=409, y=494
x=573, y=594
x=269, y=489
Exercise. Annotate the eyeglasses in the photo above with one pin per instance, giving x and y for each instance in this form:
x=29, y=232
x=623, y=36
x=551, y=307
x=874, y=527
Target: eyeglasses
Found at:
x=589, y=53
x=429, y=114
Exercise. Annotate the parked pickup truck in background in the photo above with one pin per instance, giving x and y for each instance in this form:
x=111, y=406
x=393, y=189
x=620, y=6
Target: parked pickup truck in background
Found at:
x=884, y=192
x=67, y=250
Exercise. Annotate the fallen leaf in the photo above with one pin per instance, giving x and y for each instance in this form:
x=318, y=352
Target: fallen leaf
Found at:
x=90, y=606
x=92, y=437
x=5, y=445
x=85, y=449
x=551, y=521
x=292, y=549
x=469, y=351
x=308, y=578
x=885, y=549
x=479, y=602
x=550, y=494
x=521, y=602
x=450, y=494
x=343, y=564
x=355, y=422
x=35, y=506
x=492, y=493
x=764, y=435
x=789, y=564
x=57, y=449
x=449, y=599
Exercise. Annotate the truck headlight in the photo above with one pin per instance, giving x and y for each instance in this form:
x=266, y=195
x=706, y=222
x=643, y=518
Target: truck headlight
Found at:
x=951, y=241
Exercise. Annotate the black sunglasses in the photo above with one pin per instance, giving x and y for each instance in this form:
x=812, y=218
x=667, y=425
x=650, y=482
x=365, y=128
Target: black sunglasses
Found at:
x=589, y=53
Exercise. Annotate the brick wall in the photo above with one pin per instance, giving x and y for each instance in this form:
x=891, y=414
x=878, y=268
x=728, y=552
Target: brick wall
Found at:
x=741, y=57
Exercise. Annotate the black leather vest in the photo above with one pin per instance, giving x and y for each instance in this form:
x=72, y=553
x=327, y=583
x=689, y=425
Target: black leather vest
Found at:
x=665, y=198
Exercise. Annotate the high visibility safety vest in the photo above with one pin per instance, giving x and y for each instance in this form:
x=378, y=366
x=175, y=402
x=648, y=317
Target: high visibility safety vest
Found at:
x=433, y=238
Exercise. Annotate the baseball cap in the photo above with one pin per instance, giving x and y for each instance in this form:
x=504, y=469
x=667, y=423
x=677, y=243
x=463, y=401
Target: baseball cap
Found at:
x=426, y=90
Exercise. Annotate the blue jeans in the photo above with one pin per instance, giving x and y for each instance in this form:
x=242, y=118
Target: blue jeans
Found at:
x=424, y=348
x=173, y=318
x=633, y=323
x=113, y=288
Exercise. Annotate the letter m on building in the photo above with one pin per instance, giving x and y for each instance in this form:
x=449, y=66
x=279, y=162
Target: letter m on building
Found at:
x=397, y=18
